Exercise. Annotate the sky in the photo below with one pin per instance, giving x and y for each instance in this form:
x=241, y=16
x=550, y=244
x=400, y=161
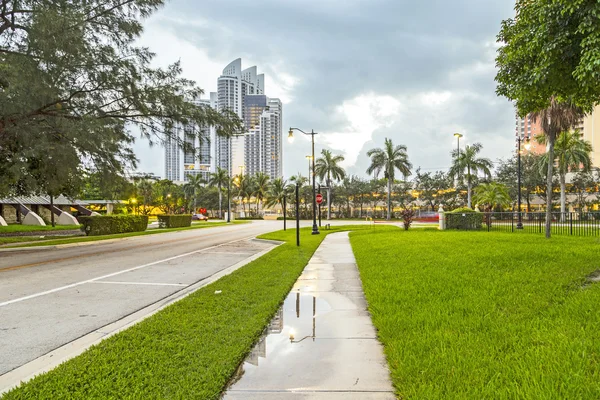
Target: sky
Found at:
x=355, y=71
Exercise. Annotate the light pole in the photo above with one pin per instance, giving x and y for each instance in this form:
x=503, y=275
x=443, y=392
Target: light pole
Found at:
x=527, y=146
x=457, y=136
x=309, y=158
x=312, y=133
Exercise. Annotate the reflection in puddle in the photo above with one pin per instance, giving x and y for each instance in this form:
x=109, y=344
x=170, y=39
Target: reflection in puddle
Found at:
x=293, y=323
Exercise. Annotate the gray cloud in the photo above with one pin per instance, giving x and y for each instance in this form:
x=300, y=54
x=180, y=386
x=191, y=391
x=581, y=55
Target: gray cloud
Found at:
x=337, y=50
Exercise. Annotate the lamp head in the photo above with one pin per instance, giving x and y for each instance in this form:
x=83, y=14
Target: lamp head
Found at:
x=527, y=145
x=291, y=136
x=458, y=135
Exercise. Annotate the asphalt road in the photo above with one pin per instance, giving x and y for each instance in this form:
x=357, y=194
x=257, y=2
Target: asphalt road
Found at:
x=49, y=298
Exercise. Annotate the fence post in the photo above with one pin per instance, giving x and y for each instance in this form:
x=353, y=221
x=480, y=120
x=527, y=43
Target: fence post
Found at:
x=571, y=223
x=512, y=221
x=442, y=218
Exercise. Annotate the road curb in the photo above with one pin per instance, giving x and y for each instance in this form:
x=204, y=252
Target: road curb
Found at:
x=51, y=360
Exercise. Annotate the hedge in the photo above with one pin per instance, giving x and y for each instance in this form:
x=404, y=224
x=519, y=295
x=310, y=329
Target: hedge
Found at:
x=111, y=224
x=175, y=221
x=252, y=219
x=464, y=219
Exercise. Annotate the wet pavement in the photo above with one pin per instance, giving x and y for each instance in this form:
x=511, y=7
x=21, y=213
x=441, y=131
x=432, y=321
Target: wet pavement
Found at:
x=321, y=343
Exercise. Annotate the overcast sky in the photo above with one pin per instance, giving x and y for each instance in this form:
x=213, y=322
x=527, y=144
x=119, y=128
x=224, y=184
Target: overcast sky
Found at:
x=356, y=71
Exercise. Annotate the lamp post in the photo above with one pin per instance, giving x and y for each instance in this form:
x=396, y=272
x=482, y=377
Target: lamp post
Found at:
x=309, y=158
x=312, y=133
x=527, y=146
x=457, y=136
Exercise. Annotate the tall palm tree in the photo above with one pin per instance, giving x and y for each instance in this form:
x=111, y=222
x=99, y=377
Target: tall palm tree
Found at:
x=327, y=168
x=192, y=187
x=492, y=195
x=389, y=159
x=466, y=164
x=243, y=185
x=261, y=188
x=571, y=153
x=219, y=179
x=559, y=116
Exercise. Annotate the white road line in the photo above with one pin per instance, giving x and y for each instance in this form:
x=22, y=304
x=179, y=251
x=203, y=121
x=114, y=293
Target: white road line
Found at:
x=141, y=283
x=72, y=285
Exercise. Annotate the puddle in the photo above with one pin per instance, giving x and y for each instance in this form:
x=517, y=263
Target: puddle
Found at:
x=295, y=322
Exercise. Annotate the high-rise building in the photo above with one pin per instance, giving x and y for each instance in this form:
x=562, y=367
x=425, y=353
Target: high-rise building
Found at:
x=589, y=127
x=194, y=157
x=263, y=140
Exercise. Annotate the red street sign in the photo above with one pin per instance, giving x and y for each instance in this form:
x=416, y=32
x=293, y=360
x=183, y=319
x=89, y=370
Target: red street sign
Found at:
x=319, y=198
x=202, y=211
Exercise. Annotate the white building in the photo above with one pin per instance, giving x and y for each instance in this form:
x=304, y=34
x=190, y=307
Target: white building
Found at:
x=195, y=157
x=263, y=140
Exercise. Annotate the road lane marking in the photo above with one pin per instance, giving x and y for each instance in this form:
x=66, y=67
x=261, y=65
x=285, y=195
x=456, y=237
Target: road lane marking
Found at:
x=72, y=285
x=142, y=283
x=79, y=256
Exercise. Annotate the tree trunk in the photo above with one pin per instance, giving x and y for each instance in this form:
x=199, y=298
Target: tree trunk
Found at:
x=389, y=200
x=328, y=198
x=52, y=211
x=549, y=186
x=563, y=195
x=220, y=203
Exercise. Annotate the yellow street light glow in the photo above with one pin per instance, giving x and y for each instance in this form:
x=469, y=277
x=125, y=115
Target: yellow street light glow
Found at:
x=458, y=135
x=528, y=146
x=291, y=136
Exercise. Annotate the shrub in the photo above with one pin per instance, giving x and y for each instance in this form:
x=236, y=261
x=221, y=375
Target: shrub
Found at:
x=111, y=224
x=464, y=219
x=174, y=221
x=408, y=217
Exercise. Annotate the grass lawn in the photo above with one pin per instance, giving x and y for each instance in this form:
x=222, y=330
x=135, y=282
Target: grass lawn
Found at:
x=478, y=315
x=32, y=228
x=190, y=349
x=48, y=241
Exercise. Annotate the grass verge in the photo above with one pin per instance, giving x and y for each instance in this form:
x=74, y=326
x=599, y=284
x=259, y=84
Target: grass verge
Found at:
x=84, y=239
x=476, y=315
x=190, y=349
x=14, y=228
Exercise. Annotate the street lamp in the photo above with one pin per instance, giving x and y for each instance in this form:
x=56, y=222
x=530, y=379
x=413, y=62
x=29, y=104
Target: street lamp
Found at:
x=312, y=133
x=527, y=147
x=457, y=136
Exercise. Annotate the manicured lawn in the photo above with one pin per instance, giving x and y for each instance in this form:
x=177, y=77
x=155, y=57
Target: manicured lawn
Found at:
x=190, y=349
x=478, y=315
x=32, y=228
x=48, y=241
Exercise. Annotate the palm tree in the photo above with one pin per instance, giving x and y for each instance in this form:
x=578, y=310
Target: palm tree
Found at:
x=492, y=195
x=327, y=168
x=388, y=160
x=219, y=179
x=278, y=190
x=192, y=187
x=243, y=184
x=571, y=153
x=556, y=118
x=261, y=188
x=468, y=165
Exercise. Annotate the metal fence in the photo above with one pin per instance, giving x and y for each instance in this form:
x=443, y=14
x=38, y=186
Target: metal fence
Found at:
x=568, y=223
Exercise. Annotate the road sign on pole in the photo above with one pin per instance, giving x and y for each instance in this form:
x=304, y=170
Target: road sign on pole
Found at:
x=319, y=198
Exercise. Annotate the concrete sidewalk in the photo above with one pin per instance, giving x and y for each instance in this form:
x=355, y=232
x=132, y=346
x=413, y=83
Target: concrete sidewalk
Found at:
x=322, y=343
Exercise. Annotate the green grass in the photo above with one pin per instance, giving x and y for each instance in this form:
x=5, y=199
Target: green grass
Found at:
x=478, y=315
x=190, y=349
x=32, y=228
x=82, y=239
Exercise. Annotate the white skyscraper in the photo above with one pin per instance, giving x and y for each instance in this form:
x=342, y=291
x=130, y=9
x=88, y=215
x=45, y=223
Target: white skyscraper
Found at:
x=195, y=158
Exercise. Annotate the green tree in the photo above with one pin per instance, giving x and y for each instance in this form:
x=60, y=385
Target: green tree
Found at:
x=548, y=65
x=583, y=186
x=192, y=188
x=73, y=85
x=492, y=195
x=278, y=191
x=571, y=153
x=327, y=167
x=389, y=159
x=219, y=179
x=431, y=186
x=145, y=189
x=261, y=188
x=467, y=165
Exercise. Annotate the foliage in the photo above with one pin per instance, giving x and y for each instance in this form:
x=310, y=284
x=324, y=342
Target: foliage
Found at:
x=408, y=216
x=492, y=195
x=532, y=179
x=466, y=164
x=327, y=167
x=111, y=224
x=484, y=315
x=73, y=85
x=464, y=219
x=584, y=184
x=431, y=187
x=188, y=360
x=389, y=159
x=174, y=221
